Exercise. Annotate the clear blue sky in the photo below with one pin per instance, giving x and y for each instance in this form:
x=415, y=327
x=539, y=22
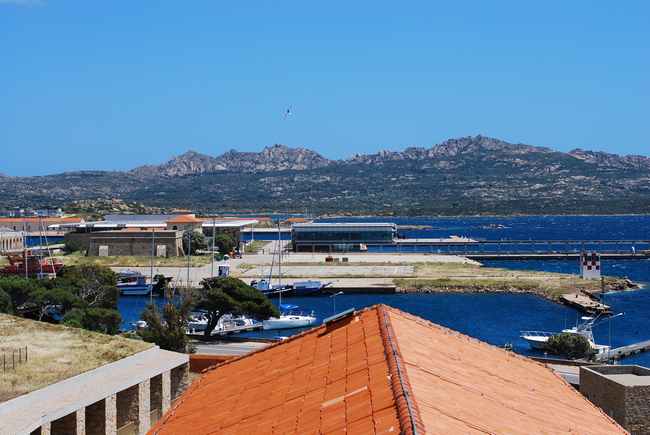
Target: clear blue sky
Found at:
x=115, y=84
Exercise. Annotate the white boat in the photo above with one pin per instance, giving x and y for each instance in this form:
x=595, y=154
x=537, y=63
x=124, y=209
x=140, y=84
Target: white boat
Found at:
x=199, y=321
x=289, y=318
x=539, y=339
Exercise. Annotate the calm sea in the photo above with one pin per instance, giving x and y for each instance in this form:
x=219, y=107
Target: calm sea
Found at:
x=499, y=318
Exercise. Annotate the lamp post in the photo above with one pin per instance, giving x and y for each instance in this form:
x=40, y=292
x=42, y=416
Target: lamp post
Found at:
x=333, y=297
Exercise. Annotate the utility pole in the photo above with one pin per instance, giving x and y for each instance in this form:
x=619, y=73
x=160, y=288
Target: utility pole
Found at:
x=153, y=247
x=189, y=256
x=212, y=250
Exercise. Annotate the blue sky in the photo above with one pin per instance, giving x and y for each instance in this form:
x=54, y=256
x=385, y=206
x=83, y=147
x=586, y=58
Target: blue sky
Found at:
x=116, y=84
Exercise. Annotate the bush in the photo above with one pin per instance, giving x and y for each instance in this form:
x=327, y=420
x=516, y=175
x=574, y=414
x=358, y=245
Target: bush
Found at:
x=102, y=320
x=570, y=345
x=5, y=302
x=73, y=318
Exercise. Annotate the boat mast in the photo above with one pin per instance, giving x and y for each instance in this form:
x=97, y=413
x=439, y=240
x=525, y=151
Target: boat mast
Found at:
x=153, y=247
x=279, y=265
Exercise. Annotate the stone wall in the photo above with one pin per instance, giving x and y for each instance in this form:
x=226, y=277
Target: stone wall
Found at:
x=629, y=405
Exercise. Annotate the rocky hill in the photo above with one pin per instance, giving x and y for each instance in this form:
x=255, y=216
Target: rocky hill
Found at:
x=459, y=176
x=273, y=158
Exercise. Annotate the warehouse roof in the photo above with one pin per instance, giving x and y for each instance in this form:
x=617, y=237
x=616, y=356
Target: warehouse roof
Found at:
x=383, y=371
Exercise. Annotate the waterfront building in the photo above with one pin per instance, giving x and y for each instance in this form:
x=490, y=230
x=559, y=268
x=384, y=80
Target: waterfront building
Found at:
x=59, y=380
x=10, y=240
x=341, y=237
x=135, y=234
x=623, y=392
x=38, y=224
x=381, y=371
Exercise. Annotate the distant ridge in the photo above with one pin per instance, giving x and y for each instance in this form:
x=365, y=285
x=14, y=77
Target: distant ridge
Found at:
x=465, y=175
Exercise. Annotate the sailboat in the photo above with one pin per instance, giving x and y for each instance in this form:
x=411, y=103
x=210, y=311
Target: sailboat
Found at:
x=289, y=317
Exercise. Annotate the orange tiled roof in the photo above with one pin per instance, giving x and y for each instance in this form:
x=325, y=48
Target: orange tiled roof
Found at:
x=184, y=219
x=49, y=220
x=382, y=371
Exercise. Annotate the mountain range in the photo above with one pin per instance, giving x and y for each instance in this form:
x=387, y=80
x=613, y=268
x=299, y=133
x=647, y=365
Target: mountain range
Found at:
x=469, y=175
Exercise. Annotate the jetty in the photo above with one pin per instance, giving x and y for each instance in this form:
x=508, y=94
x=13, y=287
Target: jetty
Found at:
x=625, y=351
x=585, y=303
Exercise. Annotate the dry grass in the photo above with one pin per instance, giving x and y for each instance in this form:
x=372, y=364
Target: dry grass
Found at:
x=133, y=261
x=55, y=353
x=468, y=277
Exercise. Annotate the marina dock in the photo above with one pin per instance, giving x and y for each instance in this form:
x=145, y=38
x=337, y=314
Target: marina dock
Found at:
x=628, y=350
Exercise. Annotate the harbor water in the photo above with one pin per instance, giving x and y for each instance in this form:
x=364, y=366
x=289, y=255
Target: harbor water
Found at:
x=499, y=318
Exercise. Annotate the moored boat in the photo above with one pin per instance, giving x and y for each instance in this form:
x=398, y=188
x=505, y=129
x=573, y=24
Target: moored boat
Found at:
x=289, y=318
x=133, y=283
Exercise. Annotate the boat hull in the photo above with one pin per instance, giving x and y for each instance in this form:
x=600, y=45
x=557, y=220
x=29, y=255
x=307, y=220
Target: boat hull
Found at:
x=288, y=323
x=135, y=291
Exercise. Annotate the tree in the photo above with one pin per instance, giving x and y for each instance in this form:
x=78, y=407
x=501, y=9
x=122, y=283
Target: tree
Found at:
x=102, y=320
x=570, y=345
x=225, y=243
x=198, y=241
x=5, y=302
x=52, y=302
x=229, y=295
x=19, y=290
x=167, y=328
x=96, y=286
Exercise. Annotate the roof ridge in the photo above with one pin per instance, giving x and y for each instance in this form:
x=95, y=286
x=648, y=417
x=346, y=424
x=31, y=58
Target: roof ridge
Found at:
x=523, y=358
x=197, y=382
x=407, y=409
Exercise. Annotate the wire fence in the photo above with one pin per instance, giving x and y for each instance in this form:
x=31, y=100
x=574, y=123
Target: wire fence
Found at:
x=12, y=358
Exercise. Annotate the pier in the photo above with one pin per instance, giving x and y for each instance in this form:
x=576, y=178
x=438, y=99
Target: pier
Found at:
x=556, y=256
x=585, y=303
x=625, y=351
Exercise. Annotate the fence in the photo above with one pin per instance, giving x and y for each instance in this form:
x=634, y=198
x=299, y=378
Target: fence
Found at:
x=13, y=357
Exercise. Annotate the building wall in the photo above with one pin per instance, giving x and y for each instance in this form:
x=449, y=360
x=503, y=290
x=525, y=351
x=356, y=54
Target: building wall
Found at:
x=121, y=243
x=33, y=224
x=628, y=405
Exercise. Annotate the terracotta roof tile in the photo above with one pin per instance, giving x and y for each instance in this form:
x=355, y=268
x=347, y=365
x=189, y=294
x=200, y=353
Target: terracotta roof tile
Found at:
x=381, y=371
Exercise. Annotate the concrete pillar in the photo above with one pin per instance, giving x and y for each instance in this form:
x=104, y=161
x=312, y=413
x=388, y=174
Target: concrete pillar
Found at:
x=81, y=421
x=166, y=391
x=111, y=414
x=144, y=406
x=46, y=429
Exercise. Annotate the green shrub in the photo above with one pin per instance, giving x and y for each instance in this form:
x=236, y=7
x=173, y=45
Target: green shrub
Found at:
x=570, y=345
x=5, y=302
x=102, y=320
x=74, y=318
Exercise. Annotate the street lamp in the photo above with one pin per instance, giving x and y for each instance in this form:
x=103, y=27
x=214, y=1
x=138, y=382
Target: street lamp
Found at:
x=333, y=297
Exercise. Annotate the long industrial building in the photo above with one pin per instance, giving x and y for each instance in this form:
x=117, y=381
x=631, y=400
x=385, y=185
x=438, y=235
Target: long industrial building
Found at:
x=341, y=237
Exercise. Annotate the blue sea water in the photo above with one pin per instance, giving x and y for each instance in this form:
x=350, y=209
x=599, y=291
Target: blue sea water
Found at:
x=499, y=318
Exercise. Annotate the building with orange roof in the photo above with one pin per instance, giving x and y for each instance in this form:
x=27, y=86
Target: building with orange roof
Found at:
x=382, y=371
x=185, y=222
x=36, y=224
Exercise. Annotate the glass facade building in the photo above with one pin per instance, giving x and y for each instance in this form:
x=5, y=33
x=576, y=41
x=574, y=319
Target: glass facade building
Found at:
x=337, y=237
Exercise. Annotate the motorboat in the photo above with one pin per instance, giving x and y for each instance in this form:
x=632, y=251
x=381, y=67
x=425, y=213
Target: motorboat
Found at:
x=289, y=318
x=308, y=288
x=133, y=283
x=198, y=321
x=539, y=339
